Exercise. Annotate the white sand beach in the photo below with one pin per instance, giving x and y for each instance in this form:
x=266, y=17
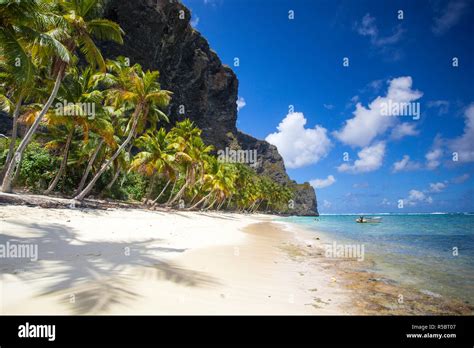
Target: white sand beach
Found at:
x=130, y=261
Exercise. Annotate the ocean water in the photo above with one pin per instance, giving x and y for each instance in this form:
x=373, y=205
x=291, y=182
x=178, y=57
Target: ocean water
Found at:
x=411, y=249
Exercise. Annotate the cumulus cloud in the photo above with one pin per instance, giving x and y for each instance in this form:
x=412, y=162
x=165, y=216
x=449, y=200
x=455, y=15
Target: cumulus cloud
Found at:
x=404, y=129
x=464, y=145
x=299, y=146
x=405, y=164
x=415, y=197
x=368, y=123
x=327, y=204
x=433, y=158
x=240, y=103
x=322, y=183
x=449, y=16
x=370, y=159
x=437, y=187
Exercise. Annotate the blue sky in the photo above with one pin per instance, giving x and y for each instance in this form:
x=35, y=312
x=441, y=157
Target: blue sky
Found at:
x=335, y=137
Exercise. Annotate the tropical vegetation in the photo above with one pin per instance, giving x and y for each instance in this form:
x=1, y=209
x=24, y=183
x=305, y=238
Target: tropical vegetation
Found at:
x=99, y=128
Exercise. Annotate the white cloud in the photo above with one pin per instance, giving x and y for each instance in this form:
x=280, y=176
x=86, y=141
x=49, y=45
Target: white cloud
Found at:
x=449, y=16
x=194, y=21
x=360, y=185
x=299, y=146
x=405, y=164
x=368, y=123
x=437, y=187
x=367, y=27
x=370, y=159
x=433, y=158
x=441, y=105
x=240, y=103
x=322, y=183
x=460, y=179
x=415, y=197
x=375, y=85
x=385, y=201
x=403, y=130
x=328, y=106
x=464, y=145
x=327, y=204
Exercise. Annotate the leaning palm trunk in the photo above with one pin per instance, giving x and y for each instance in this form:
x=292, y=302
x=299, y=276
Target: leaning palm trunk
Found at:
x=228, y=203
x=257, y=207
x=11, y=149
x=161, y=193
x=104, y=167
x=220, y=205
x=62, y=167
x=114, y=179
x=89, y=166
x=15, y=161
x=179, y=194
x=194, y=197
x=171, y=192
x=150, y=189
x=211, y=205
x=200, y=201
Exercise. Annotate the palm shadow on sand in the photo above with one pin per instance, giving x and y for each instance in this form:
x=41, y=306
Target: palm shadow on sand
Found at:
x=91, y=276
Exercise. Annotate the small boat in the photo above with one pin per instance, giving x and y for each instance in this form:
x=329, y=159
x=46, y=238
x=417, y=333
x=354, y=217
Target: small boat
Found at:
x=374, y=220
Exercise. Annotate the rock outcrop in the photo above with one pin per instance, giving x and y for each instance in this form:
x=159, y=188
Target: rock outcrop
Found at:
x=159, y=36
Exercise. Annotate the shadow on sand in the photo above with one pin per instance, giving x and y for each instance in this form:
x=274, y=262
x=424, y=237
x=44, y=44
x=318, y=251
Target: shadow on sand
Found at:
x=91, y=276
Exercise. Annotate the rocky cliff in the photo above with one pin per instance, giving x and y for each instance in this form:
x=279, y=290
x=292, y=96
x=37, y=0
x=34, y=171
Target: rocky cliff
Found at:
x=159, y=36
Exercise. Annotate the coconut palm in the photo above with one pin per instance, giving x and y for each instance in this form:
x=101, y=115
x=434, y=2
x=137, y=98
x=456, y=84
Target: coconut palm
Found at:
x=24, y=24
x=72, y=27
x=79, y=108
x=140, y=90
x=155, y=157
x=191, y=154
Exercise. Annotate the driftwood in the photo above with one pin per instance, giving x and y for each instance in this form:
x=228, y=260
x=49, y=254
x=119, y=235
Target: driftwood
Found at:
x=62, y=203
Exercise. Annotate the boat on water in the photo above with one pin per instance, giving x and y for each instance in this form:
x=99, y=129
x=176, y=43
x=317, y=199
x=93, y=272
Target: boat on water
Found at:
x=373, y=220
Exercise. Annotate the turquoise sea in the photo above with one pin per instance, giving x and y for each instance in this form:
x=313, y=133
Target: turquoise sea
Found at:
x=411, y=249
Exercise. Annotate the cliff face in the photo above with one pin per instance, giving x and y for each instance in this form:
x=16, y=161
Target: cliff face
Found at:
x=159, y=36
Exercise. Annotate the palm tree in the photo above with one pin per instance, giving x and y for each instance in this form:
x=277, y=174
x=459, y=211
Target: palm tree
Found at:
x=155, y=157
x=73, y=26
x=23, y=25
x=142, y=90
x=79, y=89
x=191, y=154
x=219, y=181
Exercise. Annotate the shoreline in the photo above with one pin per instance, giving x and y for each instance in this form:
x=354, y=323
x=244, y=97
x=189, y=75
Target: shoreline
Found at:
x=131, y=261
x=375, y=293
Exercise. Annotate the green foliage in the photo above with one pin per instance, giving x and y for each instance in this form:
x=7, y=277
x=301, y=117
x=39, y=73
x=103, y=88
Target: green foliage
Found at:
x=130, y=187
x=37, y=167
x=83, y=151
